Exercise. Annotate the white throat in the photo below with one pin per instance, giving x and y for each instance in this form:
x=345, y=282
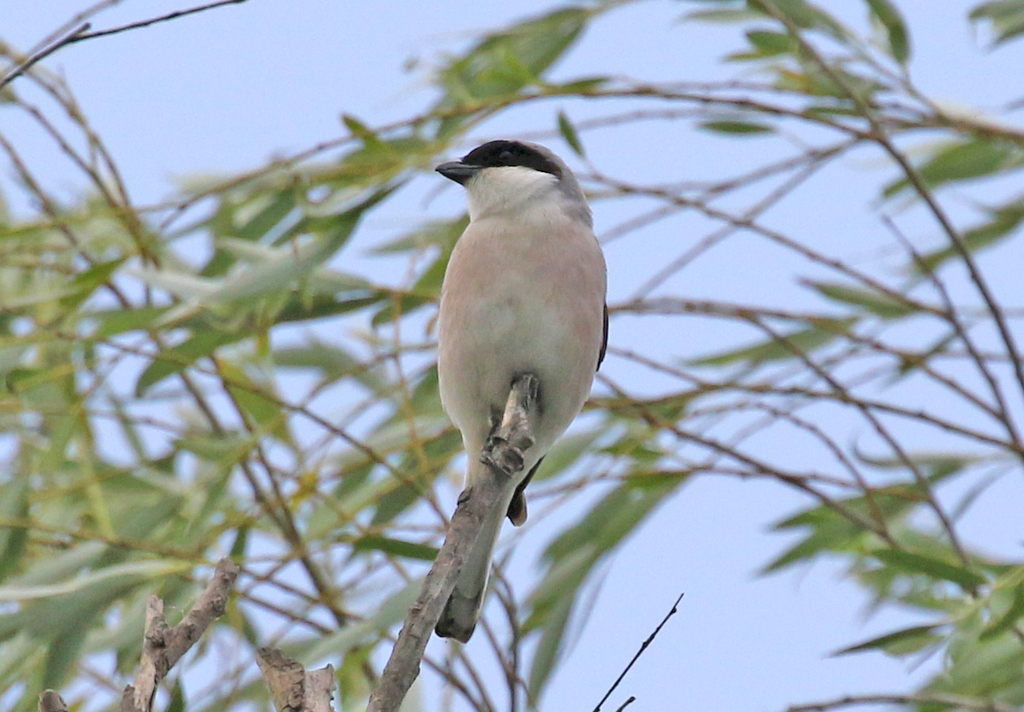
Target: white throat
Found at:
x=511, y=189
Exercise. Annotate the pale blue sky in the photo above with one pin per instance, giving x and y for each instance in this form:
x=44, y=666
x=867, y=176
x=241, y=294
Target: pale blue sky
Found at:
x=225, y=90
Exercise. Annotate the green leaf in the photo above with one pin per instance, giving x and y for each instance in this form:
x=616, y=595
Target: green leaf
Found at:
x=549, y=647
x=257, y=401
x=804, y=15
x=395, y=547
x=964, y=161
x=177, y=703
x=1003, y=221
x=898, y=643
x=1005, y=17
x=831, y=532
x=62, y=653
x=85, y=283
x=769, y=44
x=118, y=321
x=276, y=208
x=875, y=302
x=821, y=333
x=742, y=128
x=273, y=273
x=14, y=501
x=1006, y=621
x=390, y=504
x=935, y=568
x=571, y=558
x=724, y=16
x=176, y=359
x=436, y=233
x=889, y=16
x=331, y=362
x=241, y=541
x=390, y=612
x=507, y=61
x=566, y=451
x=358, y=128
x=568, y=132
x=142, y=570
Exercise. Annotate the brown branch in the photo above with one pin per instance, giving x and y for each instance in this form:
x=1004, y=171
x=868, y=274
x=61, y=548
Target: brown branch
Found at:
x=50, y=701
x=81, y=33
x=956, y=701
x=879, y=135
x=163, y=645
x=292, y=688
x=953, y=317
x=504, y=455
x=146, y=23
x=880, y=429
x=643, y=647
x=42, y=54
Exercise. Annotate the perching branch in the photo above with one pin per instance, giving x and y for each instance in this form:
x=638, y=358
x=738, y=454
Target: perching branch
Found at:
x=504, y=457
x=291, y=687
x=163, y=646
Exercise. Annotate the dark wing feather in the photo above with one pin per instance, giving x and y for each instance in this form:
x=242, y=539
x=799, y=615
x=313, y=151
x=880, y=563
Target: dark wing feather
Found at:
x=604, y=340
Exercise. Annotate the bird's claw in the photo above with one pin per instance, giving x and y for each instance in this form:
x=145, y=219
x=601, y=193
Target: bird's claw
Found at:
x=501, y=455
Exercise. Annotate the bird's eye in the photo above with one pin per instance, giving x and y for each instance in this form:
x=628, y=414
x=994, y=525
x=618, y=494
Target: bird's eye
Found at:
x=505, y=157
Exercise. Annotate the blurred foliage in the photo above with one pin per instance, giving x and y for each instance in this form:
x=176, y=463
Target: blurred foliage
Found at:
x=219, y=375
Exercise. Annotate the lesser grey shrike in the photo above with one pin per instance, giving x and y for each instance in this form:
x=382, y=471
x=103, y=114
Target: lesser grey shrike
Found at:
x=524, y=292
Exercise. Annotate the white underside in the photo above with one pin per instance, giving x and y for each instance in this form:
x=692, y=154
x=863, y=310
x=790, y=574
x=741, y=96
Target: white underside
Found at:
x=524, y=292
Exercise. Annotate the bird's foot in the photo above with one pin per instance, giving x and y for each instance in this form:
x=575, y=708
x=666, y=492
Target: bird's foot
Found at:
x=501, y=455
x=506, y=445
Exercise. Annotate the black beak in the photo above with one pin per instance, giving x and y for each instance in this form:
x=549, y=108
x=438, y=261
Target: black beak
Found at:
x=457, y=171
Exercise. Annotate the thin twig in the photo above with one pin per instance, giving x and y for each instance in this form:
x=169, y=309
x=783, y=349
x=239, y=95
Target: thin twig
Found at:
x=643, y=647
x=957, y=701
x=898, y=450
x=45, y=52
x=630, y=700
x=879, y=135
x=146, y=23
x=954, y=320
x=81, y=33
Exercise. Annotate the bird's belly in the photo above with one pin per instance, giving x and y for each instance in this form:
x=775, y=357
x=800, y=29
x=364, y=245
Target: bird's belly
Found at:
x=507, y=331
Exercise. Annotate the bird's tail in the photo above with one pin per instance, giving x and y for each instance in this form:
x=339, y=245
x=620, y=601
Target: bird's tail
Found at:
x=463, y=608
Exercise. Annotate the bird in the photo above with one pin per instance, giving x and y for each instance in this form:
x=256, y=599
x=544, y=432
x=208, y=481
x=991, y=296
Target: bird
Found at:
x=524, y=292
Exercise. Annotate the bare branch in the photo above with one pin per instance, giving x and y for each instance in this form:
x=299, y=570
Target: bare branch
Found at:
x=81, y=33
x=879, y=135
x=146, y=23
x=643, y=647
x=50, y=701
x=954, y=701
x=292, y=688
x=954, y=319
x=504, y=457
x=43, y=53
x=163, y=646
